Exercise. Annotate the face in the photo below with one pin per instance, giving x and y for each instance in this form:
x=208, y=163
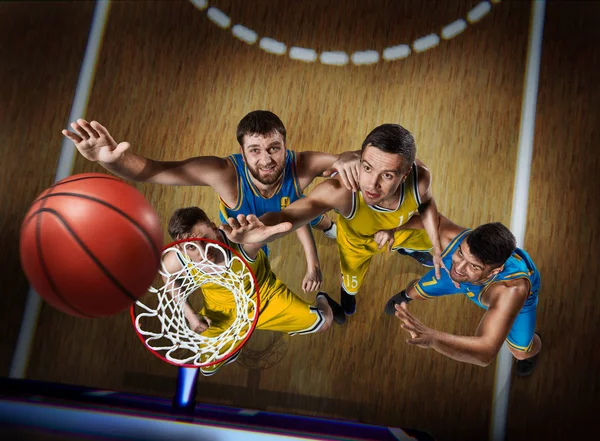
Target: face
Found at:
x=264, y=157
x=196, y=249
x=467, y=268
x=381, y=175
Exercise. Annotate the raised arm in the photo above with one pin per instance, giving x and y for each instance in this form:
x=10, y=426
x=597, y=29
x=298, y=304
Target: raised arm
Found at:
x=95, y=143
x=328, y=195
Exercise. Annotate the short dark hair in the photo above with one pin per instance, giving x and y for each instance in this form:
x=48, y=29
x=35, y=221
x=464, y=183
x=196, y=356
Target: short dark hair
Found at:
x=183, y=220
x=491, y=244
x=259, y=122
x=393, y=138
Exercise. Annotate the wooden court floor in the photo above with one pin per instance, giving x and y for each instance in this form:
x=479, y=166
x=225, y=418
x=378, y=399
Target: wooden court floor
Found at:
x=175, y=84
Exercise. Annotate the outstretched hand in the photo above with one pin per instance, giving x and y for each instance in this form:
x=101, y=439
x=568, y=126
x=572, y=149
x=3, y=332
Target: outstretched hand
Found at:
x=249, y=229
x=420, y=334
x=94, y=142
x=347, y=166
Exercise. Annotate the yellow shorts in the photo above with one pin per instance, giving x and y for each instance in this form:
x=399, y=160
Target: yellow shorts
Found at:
x=356, y=254
x=280, y=310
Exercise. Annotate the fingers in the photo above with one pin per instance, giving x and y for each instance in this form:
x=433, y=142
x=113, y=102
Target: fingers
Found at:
x=72, y=136
x=279, y=228
x=344, y=178
x=437, y=270
x=233, y=223
x=390, y=243
x=225, y=228
x=356, y=174
x=242, y=220
x=91, y=132
x=101, y=130
x=79, y=130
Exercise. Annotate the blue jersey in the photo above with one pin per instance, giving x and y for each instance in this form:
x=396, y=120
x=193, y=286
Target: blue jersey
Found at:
x=249, y=199
x=518, y=266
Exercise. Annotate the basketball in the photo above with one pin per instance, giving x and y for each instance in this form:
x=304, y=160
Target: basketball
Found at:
x=90, y=245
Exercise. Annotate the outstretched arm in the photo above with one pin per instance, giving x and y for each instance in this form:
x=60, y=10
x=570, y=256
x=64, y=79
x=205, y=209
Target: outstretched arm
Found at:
x=328, y=195
x=479, y=349
x=96, y=144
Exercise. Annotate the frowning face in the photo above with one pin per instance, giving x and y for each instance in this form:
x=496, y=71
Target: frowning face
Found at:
x=264, y=157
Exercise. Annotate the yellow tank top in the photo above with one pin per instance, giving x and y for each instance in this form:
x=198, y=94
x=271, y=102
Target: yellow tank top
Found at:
x=366, y=220
x=219, y=297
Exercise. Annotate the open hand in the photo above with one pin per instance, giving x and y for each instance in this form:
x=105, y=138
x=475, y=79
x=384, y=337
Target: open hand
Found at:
x=94, y=142
x=420, y=334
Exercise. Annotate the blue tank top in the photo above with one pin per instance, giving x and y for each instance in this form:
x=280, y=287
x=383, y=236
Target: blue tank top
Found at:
x=249, y=199
x=518, y=266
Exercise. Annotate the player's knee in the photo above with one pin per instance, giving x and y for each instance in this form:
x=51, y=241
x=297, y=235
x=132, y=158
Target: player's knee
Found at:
x=520, y=355
x=325, y=326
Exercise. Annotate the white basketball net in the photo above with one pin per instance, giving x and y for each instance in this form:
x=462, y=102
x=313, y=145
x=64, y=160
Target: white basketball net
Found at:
x=174, y=339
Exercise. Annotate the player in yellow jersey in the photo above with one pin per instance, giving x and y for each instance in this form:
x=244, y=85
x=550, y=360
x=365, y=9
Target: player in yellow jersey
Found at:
x=264, y=176
x=280, y=309
x=393, y=186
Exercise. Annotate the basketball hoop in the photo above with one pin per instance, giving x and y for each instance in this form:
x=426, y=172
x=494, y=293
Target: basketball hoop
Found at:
x=159, y=319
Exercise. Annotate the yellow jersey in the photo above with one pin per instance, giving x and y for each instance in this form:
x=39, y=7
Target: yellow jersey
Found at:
x=365, y=220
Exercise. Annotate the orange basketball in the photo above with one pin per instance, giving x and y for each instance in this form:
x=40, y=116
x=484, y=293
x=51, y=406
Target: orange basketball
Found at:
x=91, y=245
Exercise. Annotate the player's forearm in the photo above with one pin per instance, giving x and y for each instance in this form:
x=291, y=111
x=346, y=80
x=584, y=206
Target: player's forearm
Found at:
x=190, y=315
x=431, y=220
x=464, y=349
x=297, y=218
x=133, y=167
x=310, y=248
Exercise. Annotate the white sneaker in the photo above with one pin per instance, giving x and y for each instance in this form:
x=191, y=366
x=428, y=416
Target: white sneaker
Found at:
x=332, y=232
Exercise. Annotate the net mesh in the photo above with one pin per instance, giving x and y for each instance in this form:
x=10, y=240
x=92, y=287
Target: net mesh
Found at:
x=160, y=318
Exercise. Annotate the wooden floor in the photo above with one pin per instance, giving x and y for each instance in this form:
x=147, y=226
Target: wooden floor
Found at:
x=174, y=84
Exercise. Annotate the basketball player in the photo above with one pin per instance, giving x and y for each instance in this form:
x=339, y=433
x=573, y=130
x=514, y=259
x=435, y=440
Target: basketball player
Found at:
x=280, y=309
x=264, y=176
x=394, y=186
x=487, y=267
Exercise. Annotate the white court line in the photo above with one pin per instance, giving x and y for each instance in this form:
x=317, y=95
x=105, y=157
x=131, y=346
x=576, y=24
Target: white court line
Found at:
x=340, y=58
x=520, y=197
x=20, y=358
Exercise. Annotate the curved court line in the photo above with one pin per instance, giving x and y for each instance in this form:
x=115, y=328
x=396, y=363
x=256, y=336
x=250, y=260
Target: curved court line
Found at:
x=341, y=58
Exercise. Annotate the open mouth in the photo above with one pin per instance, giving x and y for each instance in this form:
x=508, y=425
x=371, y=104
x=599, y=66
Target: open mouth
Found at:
x=372, y=195
x=456, y=273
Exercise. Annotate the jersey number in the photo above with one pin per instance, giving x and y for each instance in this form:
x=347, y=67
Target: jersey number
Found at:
x=350, y=282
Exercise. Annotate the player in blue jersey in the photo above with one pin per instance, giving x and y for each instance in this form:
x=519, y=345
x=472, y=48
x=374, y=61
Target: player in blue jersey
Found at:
x=264, y=176
x=485, y=265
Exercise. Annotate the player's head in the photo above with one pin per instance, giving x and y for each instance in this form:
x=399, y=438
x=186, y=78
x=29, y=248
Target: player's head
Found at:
x=483, y=253
x=192, y=222
x=388, y=153
x=261, y=135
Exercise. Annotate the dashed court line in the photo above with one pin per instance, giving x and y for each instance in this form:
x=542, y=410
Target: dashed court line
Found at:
x=341, y=58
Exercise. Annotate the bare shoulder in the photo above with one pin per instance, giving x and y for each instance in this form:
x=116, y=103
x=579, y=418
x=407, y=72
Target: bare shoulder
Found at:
x=332, y=194
x=423, y=176
x=509, y=294
x=170, y=262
